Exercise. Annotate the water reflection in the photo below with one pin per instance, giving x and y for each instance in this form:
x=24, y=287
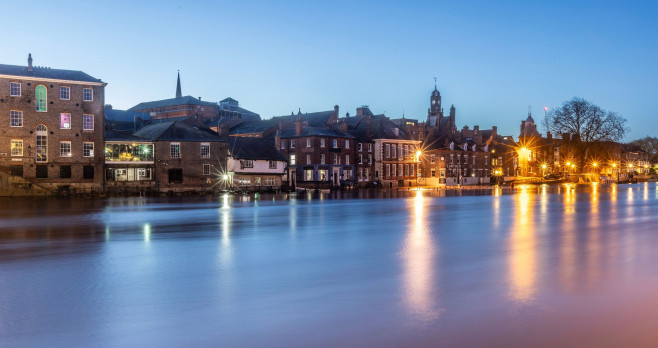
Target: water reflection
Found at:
x=420, y=268
x=523, y=249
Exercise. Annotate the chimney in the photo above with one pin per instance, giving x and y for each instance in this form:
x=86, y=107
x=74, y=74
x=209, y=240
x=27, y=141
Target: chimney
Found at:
x=476, y=129
x=277, y=140
x=494, y=130
x=29, y=62
x=223, y=131
x=343, y=127
x=335, y=114
x=299, y=126
x=549, y=135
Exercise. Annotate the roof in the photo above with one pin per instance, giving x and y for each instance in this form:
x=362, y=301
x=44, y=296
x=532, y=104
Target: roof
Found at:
x=313, y=119
x=228, y=100
x=111, y=135
x=187, y=100
x=254, y=148
x=125, y=116
x=315, y=131
x=249, y=127
x=47, y=73
x=174, y=131
x=381, y=128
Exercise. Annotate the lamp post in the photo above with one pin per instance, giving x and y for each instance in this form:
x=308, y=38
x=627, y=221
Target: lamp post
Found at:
x=418, y=154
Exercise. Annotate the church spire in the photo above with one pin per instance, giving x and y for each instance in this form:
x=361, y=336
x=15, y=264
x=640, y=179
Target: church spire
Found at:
x=178, y=92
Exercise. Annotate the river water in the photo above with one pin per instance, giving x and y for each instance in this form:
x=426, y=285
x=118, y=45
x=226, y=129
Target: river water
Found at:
x=534, y=266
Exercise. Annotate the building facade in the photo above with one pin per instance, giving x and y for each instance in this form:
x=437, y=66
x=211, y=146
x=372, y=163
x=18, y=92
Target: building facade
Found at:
x=52, y=127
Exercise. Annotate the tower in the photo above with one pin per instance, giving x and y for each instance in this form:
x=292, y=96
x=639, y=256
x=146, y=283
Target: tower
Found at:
x=178, y=91
x=435, y=102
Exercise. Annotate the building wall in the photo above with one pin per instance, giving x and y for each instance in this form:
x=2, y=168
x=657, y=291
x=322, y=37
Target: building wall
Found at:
x=76, y=107
x=191, y=166
x=385, y=161
x=255, y=178
x=309, y=157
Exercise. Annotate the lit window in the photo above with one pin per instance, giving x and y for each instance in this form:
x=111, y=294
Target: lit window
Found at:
x=14, y=89
x=292, y=160
x=432, y=158
x=65, y=121
x=16, y=118
x=65, y=148
x=205, y=150
x=174, y=150
x=347, y=144
x=64, y=93
x=87, y=149
x=87, y=122
x=269, y=181
x=16, y=147
x=41, y=153
x=206, y=169
x=41, y=98
x=87, y=94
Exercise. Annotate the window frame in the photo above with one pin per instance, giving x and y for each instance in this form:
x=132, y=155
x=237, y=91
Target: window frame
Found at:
x=61, y=123
x=40, y=98
x=174, y=150
x=11, y=90
x=12, y=147
x=64, y=90
x=86, y=150
x=62, y=147
x=85, y=122
x=15, y=115
x=206, y=169
x=91, y=94
x=205, y=146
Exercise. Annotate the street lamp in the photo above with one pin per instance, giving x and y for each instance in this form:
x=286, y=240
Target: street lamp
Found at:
x=543, y=170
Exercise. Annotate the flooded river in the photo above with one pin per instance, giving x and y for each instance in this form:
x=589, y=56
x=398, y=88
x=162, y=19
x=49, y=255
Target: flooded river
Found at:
x=534, y=266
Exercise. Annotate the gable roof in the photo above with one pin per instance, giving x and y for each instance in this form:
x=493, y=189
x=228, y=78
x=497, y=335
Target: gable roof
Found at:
x=111, y=135
x=186, y=100
x=249, y=127
x=313, y=119
x=254, y=148
x=174, y=131
x=47, y=73
x=125, y=116
x=315, y=131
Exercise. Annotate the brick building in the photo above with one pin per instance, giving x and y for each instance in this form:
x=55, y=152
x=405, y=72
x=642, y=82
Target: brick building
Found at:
x=52, y=127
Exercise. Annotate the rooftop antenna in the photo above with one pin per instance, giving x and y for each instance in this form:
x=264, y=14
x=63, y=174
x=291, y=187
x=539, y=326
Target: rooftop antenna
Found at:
x=435, y=82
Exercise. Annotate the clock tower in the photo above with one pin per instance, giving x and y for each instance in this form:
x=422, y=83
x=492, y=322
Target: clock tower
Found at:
x=435, y=102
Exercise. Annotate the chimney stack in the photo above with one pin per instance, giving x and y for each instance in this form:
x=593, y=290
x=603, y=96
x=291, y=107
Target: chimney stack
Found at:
x=29, y=62
x=299, y=126
x=494, y=130
x=277, y=140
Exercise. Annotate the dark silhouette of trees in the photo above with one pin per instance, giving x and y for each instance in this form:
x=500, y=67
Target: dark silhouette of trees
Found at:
x=649, y=145
x=585, y=126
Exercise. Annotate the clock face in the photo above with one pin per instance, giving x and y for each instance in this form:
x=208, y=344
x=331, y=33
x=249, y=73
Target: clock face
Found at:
x=433, y=102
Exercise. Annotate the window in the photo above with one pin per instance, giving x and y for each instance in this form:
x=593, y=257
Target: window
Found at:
x=14, y=89
x=283, y=145
x=367, y=174
x=87, y=94
x=15, y=118
x=335, y=143
x=175, y=175
x=206, y=169
x=16, y=147
x=369, y=147
x=321, y=142
x=247, y=163
x=347, y=159
x=359, y=147
x=257, y=181
x=87, y=122
x=406, y=151
x=64, y=93
x=308, y=175
x=321, y=158
x=394, y=150
x=292, y=144
x=370, y=158
x=411, y=169
x=205, y=150
x=292, y=160
x=308, y=158
x=41, y=152
x=65, y=149
x=16, y=170
x=360, y=159
x=65, y=172
x=87, y=149
x=388, y=170
x=433, y=173
x=432, y=158
x=335, y=158
x=452, y=159
x=42, y=171
x=269, y=181
x=347, y=144
x=272, y=164
x=360, y=175
x=400, y=170
x=388, y=150
x=400, y=151
x=394, y=170
x=41, y=99
x=174, y=150
x=308, y=142
x=406, y=170
x=65, y=121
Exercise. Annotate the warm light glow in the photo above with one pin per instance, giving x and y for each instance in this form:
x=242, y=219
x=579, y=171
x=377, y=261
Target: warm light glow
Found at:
x=630, y=165
x=568, y=163
x=614, y=165
x=418, y=153
x=595, y=164
x=224, y=177
x=573, y=166
x=543, y=166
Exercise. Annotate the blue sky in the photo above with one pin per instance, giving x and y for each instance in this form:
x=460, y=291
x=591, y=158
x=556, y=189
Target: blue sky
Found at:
x=492, y=59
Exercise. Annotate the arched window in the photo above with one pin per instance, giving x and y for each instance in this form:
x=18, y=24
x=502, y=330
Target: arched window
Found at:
x=42, y=144
x=41, y=98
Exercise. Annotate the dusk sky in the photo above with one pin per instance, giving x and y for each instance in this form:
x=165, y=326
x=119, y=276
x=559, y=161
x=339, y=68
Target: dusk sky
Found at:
x=491, y=59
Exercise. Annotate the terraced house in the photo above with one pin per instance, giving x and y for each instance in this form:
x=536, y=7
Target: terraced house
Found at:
x=51, y=128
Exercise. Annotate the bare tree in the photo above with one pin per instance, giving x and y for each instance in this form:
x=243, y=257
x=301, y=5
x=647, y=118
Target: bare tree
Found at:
x=648, y=144
x=586, y=124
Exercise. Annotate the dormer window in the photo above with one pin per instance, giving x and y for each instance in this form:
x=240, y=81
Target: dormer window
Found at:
x=465, y=147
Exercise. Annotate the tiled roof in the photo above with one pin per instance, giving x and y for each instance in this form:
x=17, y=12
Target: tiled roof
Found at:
x=111, y=135
x=254, y=148
x=174, y=131
x=253, y=126
x=47, y=73
x=313, y=119
x=125, y=116
x=187, y=100
x=381, y=128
